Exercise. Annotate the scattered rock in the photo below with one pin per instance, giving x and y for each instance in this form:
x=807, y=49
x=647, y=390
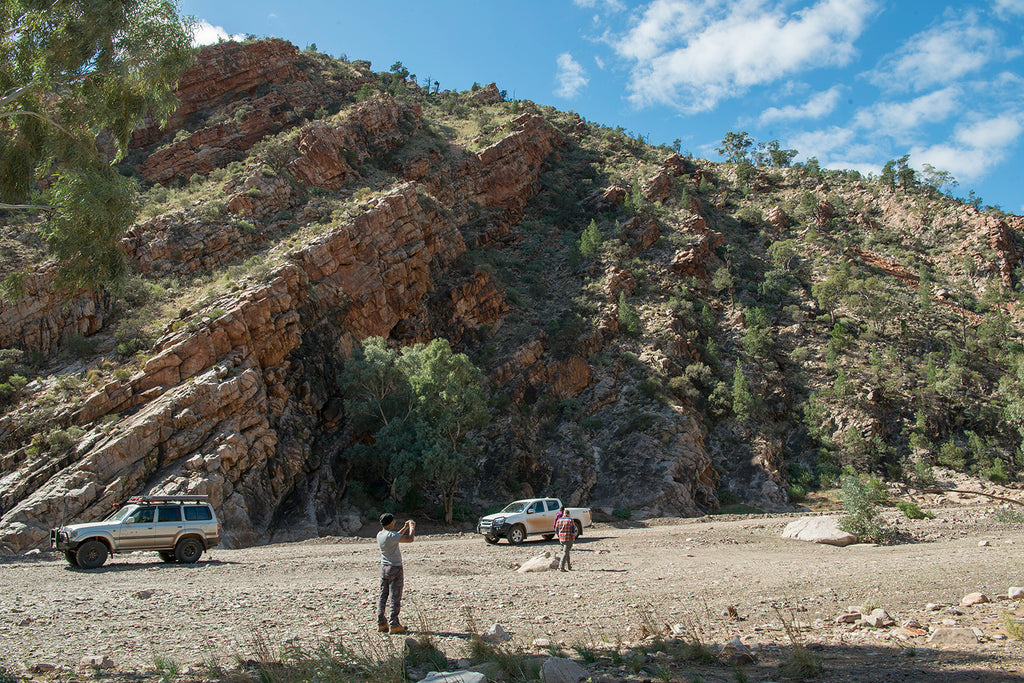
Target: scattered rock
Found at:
x=496, y=634
x=819, y=530
x=41, y=668
x=1015, y=593
x=983, y=544
x=144, y=594
x=562, y=670
x=454, y=677
x=878, y=618
x=492, y=670
x=973, y=599
x=955, y=636
x=97, y=661
x=541, y=643
x=848, y=618
x=735, y=653
x=541, y=563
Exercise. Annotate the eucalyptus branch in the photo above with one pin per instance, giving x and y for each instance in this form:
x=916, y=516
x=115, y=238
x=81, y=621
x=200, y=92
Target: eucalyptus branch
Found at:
x=37, y=115
x=27, y=207
x=973, y=493
x=13, y=94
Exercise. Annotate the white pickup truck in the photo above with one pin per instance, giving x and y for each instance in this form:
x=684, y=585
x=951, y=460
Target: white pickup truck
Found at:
x=529, y=517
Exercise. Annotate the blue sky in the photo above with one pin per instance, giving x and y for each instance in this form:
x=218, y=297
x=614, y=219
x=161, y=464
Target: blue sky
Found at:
x=853, y=82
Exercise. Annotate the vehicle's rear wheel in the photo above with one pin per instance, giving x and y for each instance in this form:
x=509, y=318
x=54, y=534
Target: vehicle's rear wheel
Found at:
x=188, y=550
x=491, y=539
x=517, y=534
x=548, y=537
x=91, y=554
x=579, y=527
x=167, y=555
x=69, y=555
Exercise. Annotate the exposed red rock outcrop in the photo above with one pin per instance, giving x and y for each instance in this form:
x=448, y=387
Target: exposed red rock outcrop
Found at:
x=41, y=318
x=658, y=188
x=328, y=150
x=468, y=306
x=692, y=261
x=1000, y=238
x=229, y=77
x=641, y=232
x=228, y=72
x=677, y=164
x=606, y=199
x=489, y=94
x=505, y=174
x=776, y=216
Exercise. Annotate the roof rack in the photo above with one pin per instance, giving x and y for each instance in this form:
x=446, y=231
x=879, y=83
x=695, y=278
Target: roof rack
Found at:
x=168, y=499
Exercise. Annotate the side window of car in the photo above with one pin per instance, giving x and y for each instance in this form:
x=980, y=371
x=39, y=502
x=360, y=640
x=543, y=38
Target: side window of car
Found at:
x=197, y=513
x=552, y=505
x=534, y=507
x=169, y=513
x=143, y=516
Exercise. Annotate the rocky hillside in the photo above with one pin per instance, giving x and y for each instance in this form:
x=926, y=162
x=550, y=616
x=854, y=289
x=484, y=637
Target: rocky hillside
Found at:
x=659, y=333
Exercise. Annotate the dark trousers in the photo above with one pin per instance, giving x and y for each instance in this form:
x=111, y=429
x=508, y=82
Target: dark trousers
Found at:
x=566, y=547
x=392, y=579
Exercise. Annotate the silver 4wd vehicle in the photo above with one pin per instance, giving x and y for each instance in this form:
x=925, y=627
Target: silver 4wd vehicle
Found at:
x=179, y=528
x=529, y=517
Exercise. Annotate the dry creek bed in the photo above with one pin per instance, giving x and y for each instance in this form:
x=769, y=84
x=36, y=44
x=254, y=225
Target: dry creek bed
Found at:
x=627, y=581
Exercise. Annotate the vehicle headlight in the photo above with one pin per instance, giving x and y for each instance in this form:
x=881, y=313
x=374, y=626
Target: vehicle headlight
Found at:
x=72, y=534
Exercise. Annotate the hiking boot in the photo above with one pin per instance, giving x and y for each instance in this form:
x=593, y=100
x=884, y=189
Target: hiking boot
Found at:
x=383, y=628
x=397, y=629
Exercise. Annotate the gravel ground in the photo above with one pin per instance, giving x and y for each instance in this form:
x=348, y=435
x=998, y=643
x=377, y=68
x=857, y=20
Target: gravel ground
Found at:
x=627, y=581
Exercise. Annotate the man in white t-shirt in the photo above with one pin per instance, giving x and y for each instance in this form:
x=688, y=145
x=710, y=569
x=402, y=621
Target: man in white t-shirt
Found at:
x=392, y=578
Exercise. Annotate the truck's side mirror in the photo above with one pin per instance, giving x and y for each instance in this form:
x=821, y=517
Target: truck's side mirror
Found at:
x=130, y=520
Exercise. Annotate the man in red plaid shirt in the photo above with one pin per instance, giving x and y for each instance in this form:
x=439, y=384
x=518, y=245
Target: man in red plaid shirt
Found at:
x=566, y=528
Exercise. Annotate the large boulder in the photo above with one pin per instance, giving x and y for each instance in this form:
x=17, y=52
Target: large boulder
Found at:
x=819, y=530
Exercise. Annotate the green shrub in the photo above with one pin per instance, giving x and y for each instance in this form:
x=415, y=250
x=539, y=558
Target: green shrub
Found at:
x=628, y=317
x=997, y=473
x=913, y=511
x=622, y=513
x=590, y=240
x=861, y=499
x=952, y=456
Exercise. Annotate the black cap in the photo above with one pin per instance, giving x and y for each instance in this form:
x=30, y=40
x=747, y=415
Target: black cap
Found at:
x=386, y=519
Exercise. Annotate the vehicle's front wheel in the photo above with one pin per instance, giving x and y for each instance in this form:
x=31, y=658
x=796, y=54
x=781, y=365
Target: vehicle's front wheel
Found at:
x=579, y=527
x=70, y=556
x=167, y=556
x=91, y=554
x=491, y=539
x=517, y=534
x=188, y=550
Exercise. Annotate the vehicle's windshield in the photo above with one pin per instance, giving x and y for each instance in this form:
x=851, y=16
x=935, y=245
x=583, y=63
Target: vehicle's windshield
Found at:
x=122, y=512
x=517, y=506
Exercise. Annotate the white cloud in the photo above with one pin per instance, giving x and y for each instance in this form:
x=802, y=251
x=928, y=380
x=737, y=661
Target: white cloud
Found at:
x=940, y=55
x=818, y=105
x=692, y=53
x=571, y=77
x=599, y=62
x=205, y=33
x=1009, y=6
x=822, y=143
x=610, y=5
x=897, y=119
